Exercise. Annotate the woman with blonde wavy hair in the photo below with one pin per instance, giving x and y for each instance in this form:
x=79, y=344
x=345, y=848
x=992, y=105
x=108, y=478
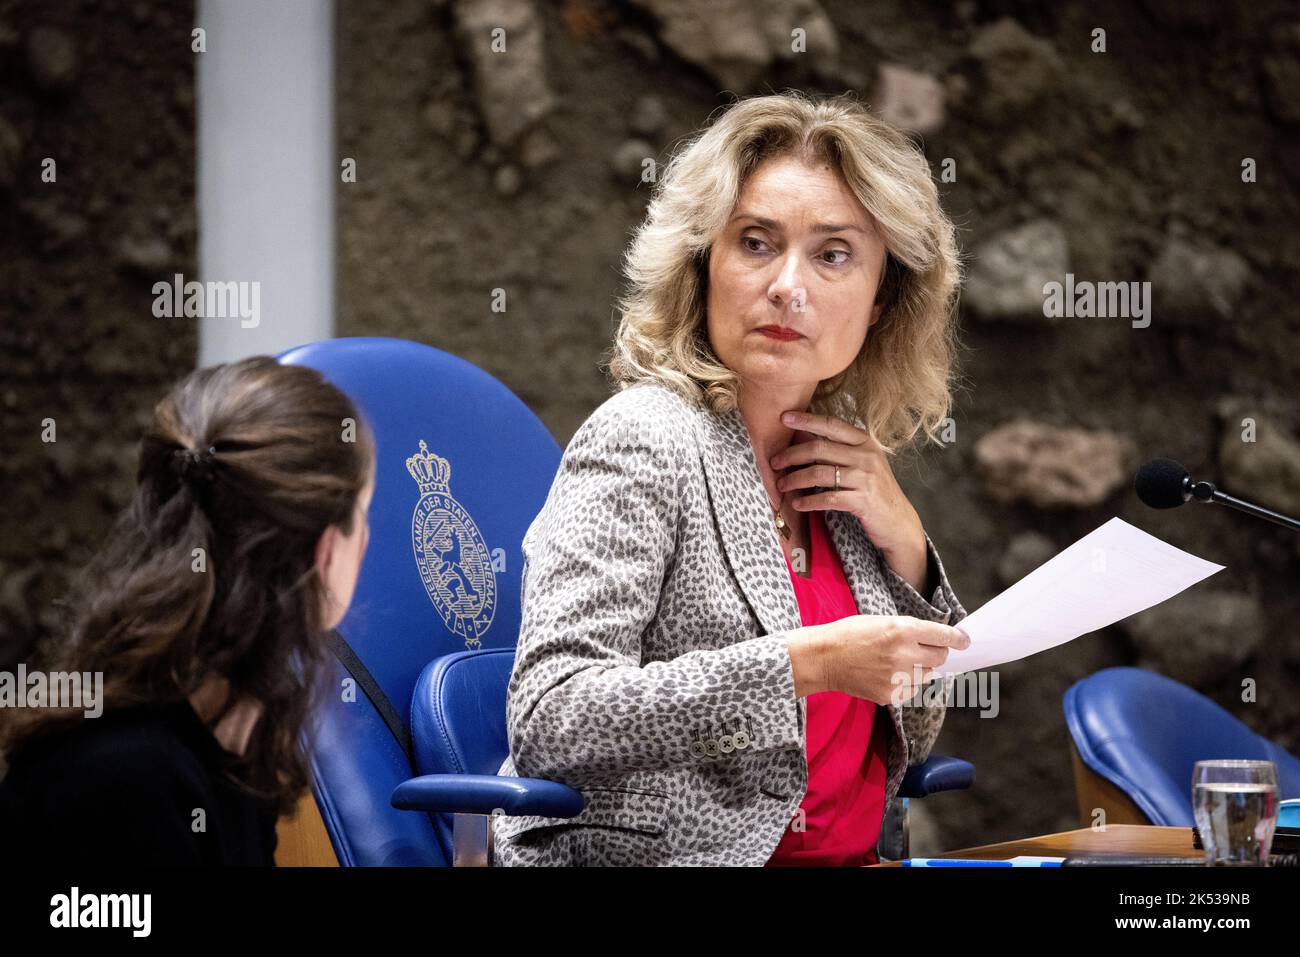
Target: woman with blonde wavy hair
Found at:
x=730, y=607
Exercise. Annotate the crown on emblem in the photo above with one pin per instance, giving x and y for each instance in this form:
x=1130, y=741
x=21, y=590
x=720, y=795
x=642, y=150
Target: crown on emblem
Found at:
x=431, y=471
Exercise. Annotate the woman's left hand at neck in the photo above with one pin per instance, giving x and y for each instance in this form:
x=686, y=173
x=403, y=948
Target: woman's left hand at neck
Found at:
x=867, y=490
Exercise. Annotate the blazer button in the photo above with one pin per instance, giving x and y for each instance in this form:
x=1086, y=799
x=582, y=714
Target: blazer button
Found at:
x=697, y=748
x=726, y=744
x=711, y=747
x=741, y=740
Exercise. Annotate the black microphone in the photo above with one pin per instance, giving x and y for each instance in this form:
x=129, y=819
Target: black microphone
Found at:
x=1164, y=483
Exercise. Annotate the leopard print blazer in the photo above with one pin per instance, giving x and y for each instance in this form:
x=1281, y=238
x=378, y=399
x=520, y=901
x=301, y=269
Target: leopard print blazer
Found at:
x=652, y=671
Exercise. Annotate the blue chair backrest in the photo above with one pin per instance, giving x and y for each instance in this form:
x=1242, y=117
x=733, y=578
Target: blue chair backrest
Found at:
x=463, y=467
x=458, y=713
x=1144, y=732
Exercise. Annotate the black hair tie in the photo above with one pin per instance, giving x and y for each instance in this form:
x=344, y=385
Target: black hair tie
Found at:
x=197, y=466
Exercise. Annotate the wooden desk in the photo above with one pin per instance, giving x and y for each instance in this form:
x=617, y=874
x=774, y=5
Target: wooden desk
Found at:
x=1119, y=839
x=302, y=840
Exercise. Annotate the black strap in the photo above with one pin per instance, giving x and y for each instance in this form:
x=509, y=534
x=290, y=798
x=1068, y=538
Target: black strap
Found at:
x=361, y=674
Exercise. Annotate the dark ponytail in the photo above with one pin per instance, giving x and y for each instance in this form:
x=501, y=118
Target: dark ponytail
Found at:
x=211, y=569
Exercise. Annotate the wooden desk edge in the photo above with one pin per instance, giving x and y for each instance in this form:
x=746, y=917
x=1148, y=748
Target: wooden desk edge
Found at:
x=1124, y=839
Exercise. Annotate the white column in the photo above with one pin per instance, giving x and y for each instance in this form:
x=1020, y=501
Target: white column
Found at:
x=266, y=171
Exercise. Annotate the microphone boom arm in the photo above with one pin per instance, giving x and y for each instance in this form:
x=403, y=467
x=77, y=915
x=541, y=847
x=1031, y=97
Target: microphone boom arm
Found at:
x=1206, y=492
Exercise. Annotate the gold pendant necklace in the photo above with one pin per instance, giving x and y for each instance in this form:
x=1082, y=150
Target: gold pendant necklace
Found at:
x=781, y=525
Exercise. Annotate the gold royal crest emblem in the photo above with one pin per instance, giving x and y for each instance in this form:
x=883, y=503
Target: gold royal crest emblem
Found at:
x=453, y=559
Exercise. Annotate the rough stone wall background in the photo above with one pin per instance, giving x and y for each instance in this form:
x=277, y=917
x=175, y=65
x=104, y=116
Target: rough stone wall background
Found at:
x=1122, y=166
x=1118, y=166
x=106, y=90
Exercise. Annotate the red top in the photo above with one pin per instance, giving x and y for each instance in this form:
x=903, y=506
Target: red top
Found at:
x=847, y=746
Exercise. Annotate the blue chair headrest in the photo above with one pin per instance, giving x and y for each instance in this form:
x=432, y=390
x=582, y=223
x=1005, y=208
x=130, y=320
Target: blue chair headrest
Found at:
x=463, y=467
x=1144, y=732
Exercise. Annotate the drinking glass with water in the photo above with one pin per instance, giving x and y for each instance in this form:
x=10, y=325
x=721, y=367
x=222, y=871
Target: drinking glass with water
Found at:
x=1236, y=805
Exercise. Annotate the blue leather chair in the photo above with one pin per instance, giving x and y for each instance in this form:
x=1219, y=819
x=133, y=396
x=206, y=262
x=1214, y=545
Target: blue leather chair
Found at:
x=463, y=468
x=1143, y=732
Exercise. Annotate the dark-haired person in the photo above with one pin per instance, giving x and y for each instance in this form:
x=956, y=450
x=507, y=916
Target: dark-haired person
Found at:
x=205, y=613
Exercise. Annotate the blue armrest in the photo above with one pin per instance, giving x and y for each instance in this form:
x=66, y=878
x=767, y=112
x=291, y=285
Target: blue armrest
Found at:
x=485, y=793
x=938, y=773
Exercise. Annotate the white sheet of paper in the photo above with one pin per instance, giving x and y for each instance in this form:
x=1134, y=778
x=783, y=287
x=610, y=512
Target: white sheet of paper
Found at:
x=1113, y=572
